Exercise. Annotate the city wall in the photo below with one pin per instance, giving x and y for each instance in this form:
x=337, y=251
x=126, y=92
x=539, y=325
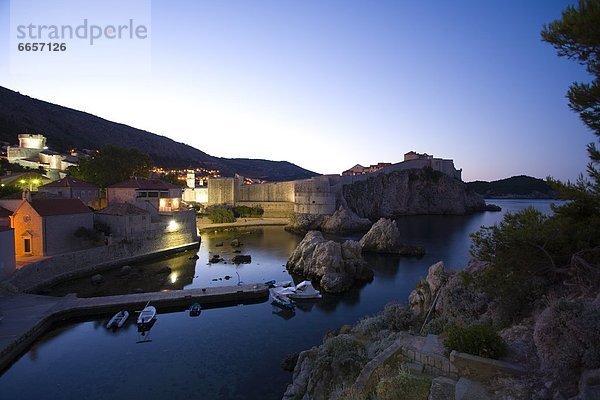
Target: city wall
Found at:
x=160, y=239
x=318, y=195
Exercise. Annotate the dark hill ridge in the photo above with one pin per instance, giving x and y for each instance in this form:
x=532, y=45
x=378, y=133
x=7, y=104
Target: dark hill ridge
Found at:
x=66, y=128
x=515, y=187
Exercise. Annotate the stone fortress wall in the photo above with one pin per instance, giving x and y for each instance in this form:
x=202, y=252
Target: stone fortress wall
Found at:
x=318, y=195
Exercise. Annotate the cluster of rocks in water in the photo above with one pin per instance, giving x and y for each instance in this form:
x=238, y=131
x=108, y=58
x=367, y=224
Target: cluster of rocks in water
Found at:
x=337, y=266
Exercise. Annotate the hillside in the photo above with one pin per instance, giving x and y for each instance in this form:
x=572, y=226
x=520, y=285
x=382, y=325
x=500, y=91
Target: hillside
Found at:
x=66, y=128
x=514, y=187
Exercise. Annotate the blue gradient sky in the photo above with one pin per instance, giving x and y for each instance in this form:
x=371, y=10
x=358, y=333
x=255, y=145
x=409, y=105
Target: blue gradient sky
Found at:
x=328, y=84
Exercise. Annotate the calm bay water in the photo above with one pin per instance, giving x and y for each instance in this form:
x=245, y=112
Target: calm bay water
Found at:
x=231, y=352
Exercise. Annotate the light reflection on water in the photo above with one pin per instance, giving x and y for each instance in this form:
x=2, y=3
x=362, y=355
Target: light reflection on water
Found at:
x=232, y=352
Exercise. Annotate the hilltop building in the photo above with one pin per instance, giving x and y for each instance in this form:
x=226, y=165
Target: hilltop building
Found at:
x=360, y=170
x=32, y=152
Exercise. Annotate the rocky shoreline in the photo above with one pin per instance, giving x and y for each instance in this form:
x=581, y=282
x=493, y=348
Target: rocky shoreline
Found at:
x=408, y=349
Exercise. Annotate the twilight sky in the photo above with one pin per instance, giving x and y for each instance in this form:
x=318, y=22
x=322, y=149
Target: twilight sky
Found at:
x=327, y=84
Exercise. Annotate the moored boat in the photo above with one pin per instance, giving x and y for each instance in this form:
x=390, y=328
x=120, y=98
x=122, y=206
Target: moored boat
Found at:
x=195, y=310
x=146, y=315
x=303, y=291
x=281, y=300
x=118, y=319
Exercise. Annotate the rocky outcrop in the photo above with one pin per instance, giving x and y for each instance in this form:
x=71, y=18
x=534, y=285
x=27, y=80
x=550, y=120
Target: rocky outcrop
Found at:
x=411, y=192
x=345, y=221
x=342, y=221
x=384, y=237
x=421, y=299
x=302, y=223
x=334, y=266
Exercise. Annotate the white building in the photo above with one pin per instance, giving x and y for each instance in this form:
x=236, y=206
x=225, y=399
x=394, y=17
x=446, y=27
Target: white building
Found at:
x=33, y=153
x=193, y=193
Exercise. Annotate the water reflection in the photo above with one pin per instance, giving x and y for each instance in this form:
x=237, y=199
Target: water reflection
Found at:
x=232, y=352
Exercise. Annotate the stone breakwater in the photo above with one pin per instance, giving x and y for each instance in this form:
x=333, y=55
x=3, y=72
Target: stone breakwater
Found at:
x=27, y=317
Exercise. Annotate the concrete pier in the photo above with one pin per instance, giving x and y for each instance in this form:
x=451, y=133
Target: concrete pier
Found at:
x=25, y=317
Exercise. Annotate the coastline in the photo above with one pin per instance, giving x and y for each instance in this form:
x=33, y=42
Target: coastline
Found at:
x=205, y=225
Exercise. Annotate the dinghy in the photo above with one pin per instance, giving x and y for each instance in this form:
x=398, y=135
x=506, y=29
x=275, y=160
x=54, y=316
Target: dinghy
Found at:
x=146, y=315
x=195, y=310
x=281, y=300
x=118, y=319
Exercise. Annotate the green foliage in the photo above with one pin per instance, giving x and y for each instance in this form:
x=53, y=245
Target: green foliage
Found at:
x=477, y=339
x=111, y=165
x=402, y=385
x=9, y=189
x=525, y=252
x=517, y=185
x=220, y=214
x=248, y=212
x=567, y=335
x=398, y=317
x=577, y=37
x=344, y=354
x=102, y=227
x=6, y=166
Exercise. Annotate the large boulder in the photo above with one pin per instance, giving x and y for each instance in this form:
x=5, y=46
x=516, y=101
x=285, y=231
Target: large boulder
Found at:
x=384, y=237
x=411, y=192
x=302, y=223
x=421, y=299
x=335, y=266
x=345, y=221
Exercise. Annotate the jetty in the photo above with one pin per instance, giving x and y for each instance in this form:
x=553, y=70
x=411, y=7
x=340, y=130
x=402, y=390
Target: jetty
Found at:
x=26, y=317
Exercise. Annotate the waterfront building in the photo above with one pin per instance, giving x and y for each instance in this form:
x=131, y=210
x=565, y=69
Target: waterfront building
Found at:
x=153, y=195
x=5, y=217
x=193, y=193
x=125, y=220
x=71, y=188
x=7, y=251
x=44, y=227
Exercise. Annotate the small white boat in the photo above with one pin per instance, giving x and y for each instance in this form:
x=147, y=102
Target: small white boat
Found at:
x=146, y=315
x=281, y=300
x=303, y=291
x=118, y=319
x=275, y=284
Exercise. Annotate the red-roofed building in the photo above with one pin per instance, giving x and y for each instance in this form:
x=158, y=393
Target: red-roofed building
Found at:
x=7, y=252
x=5, y=217
x=72, y=188
x=44, y=227
x=160, y=195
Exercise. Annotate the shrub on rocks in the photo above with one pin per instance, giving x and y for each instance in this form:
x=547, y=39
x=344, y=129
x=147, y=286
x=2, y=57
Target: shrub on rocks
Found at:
x=402, y=385
x=477, y=339
x=567, y=338
x=398, y=317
